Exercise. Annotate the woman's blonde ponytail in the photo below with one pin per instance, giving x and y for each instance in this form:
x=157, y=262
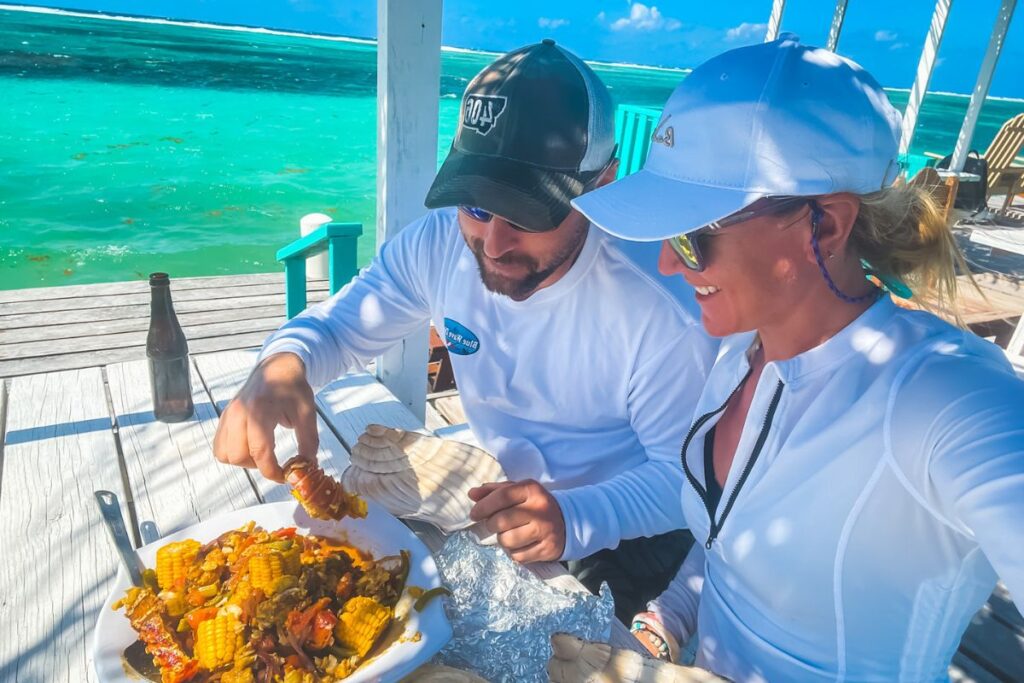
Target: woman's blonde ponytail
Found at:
x=902, y=232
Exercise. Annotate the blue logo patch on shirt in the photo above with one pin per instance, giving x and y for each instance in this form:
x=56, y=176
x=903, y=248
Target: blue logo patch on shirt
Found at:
x=458, y=339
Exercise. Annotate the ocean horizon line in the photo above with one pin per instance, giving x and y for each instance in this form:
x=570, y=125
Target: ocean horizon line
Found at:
x=294, y=33
x=356, y=40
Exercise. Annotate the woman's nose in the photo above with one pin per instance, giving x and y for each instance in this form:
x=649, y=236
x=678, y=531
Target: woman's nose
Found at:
x=668, y=262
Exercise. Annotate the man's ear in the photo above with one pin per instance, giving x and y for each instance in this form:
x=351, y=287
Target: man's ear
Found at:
x=838, y=214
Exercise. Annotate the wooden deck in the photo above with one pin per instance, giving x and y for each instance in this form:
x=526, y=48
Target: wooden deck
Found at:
x=46, y=330
x=65, y=328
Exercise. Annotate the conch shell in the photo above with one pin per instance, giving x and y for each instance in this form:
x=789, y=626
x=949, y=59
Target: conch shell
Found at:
x=581, y=661
x=420, y=476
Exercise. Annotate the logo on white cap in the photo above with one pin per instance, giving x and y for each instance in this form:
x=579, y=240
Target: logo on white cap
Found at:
x=666, y=137
x=481, y=112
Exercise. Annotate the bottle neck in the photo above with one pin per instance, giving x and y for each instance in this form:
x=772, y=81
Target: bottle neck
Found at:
x=166, y=339
x=160, y=300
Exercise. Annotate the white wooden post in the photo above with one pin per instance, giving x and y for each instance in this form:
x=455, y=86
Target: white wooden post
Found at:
x=924, y=72
x=316, y=266
x=980, y=92
x=775, y=20
x=837, y=25
x=408, y=92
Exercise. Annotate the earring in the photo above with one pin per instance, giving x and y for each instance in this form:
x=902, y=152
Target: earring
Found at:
x=831, y=256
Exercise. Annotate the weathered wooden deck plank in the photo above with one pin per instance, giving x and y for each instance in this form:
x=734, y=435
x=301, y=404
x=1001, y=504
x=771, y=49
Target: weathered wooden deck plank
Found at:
x=3, y=428
x=963, y=669
x=63, y=361
x=211, y=293
x=1004, y=609
x=57, y=563
x=994, y=645
x=432, y=419
x=138, y=324
x=450, y=408
x=119, y=312
x=137, y=338
x=224, y=374
x=135, y=286
x=174, y=479
x=354, y=401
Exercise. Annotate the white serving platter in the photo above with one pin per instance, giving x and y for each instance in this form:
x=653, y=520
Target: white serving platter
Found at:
x=380, y=533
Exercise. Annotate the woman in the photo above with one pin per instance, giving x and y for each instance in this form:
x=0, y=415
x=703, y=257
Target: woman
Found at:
x=855, y=469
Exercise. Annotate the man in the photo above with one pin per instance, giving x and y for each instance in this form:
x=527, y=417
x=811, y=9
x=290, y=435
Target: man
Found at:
x=559, y=334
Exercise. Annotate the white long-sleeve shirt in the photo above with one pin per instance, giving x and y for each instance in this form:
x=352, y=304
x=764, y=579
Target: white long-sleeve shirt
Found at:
x=587, y=386
x=887, y=496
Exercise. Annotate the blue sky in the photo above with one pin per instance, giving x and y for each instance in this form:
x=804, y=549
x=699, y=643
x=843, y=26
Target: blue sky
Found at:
x=885, y=36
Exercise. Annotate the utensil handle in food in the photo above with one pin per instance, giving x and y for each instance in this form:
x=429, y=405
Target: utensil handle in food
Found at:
x=111, y=511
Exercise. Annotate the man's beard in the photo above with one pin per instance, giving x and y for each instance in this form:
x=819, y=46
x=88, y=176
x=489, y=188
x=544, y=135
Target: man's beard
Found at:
x=521, y=288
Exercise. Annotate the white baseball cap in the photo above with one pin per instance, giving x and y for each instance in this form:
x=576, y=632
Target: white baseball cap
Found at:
x=774, y=119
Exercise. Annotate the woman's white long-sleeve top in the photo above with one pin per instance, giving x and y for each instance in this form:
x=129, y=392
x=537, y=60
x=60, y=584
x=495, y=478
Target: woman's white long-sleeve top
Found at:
x=876, y=494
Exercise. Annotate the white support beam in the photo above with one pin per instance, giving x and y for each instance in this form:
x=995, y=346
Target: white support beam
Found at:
x=408, y=93
x=924, y=72
x=837, y=25
x=775, y=20
x=980, y=92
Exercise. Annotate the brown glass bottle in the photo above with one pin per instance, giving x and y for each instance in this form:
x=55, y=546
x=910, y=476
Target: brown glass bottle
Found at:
x=167, y=350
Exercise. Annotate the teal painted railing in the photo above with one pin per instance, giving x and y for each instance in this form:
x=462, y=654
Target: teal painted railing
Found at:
x=339, y=239
x=634, y=127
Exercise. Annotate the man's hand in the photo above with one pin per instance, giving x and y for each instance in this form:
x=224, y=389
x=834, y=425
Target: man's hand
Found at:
x=276, y=393
x=524, y=515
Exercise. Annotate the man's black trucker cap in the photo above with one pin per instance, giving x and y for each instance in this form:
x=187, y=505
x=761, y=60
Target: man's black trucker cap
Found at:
x=535, y=127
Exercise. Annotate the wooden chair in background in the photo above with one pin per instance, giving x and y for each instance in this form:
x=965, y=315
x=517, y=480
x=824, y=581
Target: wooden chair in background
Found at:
x=440, y=376
x=1001, y=155
x=1004, y=173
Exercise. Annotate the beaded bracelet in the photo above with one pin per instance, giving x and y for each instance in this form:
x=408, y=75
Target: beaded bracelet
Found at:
x=653, y=638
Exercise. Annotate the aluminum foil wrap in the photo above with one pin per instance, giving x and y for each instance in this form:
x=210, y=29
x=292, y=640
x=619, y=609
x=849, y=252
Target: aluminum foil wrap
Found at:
x=503, y=616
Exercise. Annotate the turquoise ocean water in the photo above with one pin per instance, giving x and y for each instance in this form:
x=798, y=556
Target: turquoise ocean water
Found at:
x=130, y=147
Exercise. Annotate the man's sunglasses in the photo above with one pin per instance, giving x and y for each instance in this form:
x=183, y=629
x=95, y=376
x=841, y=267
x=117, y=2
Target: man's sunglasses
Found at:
x=691, y=247
x=482, y=216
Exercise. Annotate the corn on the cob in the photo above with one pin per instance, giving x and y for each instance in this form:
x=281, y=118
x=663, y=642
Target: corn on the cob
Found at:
x=173, y=562
x=269, y=569
x=212, y=567
x=241, y=670
x=293, y=675
x=218, y=640
x=360, y=623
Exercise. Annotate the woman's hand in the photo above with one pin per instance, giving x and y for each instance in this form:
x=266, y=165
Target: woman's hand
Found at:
x=574, y=660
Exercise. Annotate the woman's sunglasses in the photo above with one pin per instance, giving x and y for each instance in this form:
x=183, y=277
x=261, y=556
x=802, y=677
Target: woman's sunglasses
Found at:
x=691, y=247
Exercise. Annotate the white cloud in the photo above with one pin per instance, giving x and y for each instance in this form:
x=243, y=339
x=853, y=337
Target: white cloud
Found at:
x=544, y=22
x=897, y=46
x=746, y=31
x=885, y=36
x=643, y=18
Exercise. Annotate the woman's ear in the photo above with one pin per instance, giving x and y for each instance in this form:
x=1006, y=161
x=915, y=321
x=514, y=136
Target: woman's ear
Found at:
x=836, y=218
